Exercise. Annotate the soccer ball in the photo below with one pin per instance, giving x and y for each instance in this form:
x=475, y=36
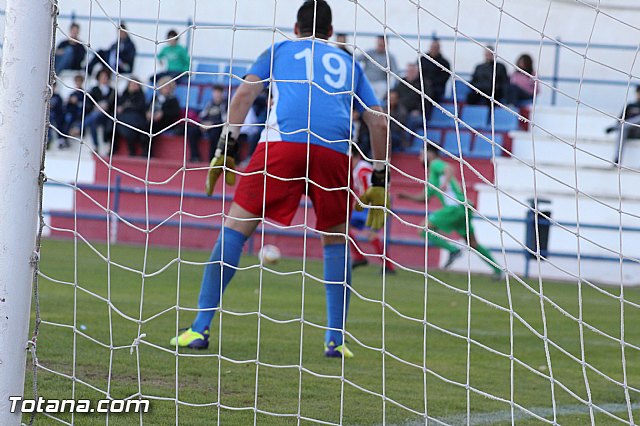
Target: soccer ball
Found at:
x=269, y=254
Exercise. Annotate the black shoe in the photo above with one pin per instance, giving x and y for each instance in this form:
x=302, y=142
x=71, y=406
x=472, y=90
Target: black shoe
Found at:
x=359, y=263
x=453, y=255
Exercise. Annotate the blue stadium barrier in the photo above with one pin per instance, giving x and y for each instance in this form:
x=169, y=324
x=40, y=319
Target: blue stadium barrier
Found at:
x=440, y=119
x=192, y=93
x=461, y=89
x=476, y=116
x=212, y=77
x=233, y=74
x=483, y=149
x=451, y=143
x=205, y=96
x=417, y=145
x=504, y=120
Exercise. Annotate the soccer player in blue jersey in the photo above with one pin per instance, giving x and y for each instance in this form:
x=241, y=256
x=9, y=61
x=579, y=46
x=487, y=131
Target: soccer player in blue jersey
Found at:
x=304, y=147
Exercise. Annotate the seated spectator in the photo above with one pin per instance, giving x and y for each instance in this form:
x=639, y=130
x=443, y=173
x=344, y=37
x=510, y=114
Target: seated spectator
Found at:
x=175, y=56
x=213, y=114
x=360, y=132
x=375, y=72
x=341, y=39
x=356, y=125
x=119, y=57
x=56, y=118
x=165, y=112
x=74, y=107
x=132, y=111
x=397, y=134
x=100, y=107
x=70, y=53
x=411, y=97
x=435, y=76
x=627, y=129
x=484, y=80
x=523, y=86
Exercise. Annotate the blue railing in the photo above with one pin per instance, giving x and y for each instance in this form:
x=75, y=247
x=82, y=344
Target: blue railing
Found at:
x=118, y=189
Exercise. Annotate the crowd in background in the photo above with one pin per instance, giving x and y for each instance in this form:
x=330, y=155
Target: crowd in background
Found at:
x=408, y=96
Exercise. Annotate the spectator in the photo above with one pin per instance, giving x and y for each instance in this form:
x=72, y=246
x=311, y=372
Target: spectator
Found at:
x=435, y=76
x=374, y=68
x=119, y=57
x=165, y=112
x=341, y=39
x=628, y=127
x=213, y=114
x=103, y=96
x=175, y=55
x=484, y=80
x=74, y=107
x=410, y=96
x=132, y=111
x=56, y=118
x=356, y=125
x=396, y=110
x=523, y=86
x=70, y=53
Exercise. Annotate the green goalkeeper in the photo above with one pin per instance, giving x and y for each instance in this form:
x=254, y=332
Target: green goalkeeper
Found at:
x=453, y=216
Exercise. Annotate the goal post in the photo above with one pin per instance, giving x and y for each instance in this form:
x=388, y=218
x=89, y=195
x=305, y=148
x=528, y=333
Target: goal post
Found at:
x=23, y=105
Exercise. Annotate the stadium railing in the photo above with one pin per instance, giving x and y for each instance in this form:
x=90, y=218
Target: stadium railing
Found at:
x=117, y=189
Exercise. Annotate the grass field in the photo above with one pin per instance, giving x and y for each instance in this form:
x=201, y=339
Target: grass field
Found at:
x=208, y=385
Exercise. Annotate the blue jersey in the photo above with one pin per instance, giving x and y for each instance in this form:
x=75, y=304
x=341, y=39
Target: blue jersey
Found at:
x=322, y=117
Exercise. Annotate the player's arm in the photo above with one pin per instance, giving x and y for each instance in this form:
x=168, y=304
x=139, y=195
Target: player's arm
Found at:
x=377, y=194
x=376, y=121
x=227, y=148
x=242, y=101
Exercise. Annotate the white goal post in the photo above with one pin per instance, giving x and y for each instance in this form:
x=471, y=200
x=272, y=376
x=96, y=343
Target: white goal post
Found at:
x=24, y=100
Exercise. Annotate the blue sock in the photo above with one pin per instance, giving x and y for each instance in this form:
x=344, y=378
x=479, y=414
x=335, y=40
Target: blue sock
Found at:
x=336, y=260
x=210, y=293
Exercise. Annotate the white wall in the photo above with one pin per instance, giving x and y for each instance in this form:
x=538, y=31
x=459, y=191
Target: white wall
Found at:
x=570, y=20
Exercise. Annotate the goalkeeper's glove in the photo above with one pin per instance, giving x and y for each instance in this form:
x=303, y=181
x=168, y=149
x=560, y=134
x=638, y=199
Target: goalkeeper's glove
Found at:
x=224, y=159
x=376, y=196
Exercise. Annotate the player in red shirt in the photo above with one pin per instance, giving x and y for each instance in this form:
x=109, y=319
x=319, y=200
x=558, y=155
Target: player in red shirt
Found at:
x=362, y=171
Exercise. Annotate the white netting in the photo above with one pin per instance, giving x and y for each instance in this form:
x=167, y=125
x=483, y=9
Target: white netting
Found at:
x=551, y=340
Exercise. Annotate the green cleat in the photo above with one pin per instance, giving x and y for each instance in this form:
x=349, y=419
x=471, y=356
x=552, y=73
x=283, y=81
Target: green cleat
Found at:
x=191, y=339
x=333, y=351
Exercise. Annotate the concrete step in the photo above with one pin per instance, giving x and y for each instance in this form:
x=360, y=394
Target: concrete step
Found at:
x=565, y=207
x=513, y=208
x=581, y=122
x=608, y=185
x=588, y=152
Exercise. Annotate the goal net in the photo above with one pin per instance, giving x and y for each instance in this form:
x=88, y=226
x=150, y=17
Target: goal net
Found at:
x=500, y=289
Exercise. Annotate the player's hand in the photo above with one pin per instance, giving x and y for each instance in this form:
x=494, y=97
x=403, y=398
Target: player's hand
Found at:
x=377, y=197
x=223, y=160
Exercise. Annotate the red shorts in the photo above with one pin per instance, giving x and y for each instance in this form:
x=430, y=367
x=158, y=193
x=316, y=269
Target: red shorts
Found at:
x=328, y=173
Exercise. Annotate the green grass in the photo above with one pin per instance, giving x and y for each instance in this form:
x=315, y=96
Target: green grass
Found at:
x=200, y=380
